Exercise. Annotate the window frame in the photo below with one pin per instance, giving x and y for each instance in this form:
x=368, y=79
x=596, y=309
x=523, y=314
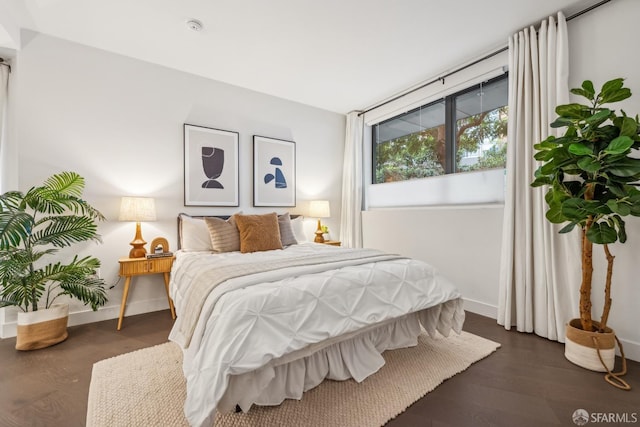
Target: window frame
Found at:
x=449, y=123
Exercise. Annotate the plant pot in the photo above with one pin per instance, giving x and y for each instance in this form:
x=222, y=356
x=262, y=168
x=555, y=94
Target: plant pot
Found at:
x=42, y=328
x=581, y=349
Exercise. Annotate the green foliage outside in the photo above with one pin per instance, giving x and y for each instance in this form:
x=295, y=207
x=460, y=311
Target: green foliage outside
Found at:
x=422, y=154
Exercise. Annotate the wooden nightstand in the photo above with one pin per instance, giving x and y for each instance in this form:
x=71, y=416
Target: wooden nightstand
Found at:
x=130, y=267
x=332, y=242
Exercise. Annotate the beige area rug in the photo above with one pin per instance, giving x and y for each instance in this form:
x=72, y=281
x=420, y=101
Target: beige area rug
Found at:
x=147, y=388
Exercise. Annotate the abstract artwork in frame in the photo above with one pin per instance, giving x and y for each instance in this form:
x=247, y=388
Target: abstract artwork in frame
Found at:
x=274, y=172
x=210, y=167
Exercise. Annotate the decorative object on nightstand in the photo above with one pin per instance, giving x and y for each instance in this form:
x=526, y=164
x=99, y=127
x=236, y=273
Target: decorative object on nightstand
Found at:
x=160, y=248
x=137, y=209
x=319, y=209
x=154, y=263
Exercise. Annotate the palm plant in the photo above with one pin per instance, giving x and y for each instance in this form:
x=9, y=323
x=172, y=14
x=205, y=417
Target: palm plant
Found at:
x=34, y=226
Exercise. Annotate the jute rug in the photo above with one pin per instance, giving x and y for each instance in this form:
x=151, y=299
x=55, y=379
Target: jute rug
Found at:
x=146, y=388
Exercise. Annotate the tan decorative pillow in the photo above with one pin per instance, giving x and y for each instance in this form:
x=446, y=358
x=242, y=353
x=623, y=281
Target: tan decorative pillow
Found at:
x=287, y=236
x=224, y=235
x=258, y=232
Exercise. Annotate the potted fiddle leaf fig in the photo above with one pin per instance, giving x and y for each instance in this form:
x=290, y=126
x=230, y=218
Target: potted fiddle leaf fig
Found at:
x=34, y=226
x=591, y=173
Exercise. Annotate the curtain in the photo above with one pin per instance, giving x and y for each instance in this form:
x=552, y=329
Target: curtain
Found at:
x=4, y=93
x=540, y=268
x=350, y=218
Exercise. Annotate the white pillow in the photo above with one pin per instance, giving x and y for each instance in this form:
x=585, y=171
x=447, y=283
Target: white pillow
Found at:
x=298, y=229
x=194, y=234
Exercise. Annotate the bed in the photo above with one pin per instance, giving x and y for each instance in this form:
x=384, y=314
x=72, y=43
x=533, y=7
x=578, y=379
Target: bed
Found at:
x=264, y=316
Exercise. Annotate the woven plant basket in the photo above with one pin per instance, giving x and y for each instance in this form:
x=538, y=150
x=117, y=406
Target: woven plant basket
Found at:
x=581, y=349
x=42, y=328
x=595, y=351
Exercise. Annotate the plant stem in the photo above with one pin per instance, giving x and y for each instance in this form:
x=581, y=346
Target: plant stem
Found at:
x=587, y=275
x=607, y=289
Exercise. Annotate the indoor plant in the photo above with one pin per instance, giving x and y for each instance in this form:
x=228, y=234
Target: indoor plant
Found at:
x=33, y=227
x=591, y=172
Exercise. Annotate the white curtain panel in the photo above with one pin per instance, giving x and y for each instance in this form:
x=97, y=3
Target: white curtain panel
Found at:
x=351, y=219
x=540, y=268
x=4, y=92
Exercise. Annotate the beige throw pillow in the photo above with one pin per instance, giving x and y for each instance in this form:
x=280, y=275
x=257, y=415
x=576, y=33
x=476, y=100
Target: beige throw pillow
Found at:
x=258, y=232
x=224, y=235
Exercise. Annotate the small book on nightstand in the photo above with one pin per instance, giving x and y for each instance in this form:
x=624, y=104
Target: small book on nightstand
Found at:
x=160, y=255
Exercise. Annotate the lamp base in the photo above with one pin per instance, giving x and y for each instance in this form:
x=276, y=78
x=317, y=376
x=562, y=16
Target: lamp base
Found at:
x=138, y=250
x=319, y=237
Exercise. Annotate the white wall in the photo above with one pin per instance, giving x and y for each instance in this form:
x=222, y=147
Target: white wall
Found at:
x=603, y=45
x=462, y=242
x=118, y=123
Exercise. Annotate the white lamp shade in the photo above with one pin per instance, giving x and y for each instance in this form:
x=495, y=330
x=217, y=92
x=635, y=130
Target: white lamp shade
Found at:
x=319, y=209
x=137, y=209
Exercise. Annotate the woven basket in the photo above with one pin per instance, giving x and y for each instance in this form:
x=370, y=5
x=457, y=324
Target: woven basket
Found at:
x=581, y=349
x=42, y=328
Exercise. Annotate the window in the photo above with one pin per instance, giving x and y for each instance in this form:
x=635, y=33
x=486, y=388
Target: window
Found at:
x=466, y=131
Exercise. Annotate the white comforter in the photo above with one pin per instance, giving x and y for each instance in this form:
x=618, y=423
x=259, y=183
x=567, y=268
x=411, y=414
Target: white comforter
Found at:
x=257, y=323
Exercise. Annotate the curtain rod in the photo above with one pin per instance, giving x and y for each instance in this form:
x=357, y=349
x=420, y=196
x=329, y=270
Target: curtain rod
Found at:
x=3, y=62
x=464, y=67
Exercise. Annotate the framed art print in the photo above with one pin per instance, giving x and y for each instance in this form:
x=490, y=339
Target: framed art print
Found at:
x=274, y=172
x=210, y=167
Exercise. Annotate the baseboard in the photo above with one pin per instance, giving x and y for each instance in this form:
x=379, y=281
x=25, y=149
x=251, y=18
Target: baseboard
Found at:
x=481, y=308
x=82, y=317
x=631, y=349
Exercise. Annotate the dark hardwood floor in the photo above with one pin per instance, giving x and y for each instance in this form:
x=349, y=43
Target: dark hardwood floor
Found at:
x=527, y=382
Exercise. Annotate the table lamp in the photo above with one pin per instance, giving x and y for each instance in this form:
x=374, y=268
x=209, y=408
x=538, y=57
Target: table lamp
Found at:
x=137, y=209
x=319, y=209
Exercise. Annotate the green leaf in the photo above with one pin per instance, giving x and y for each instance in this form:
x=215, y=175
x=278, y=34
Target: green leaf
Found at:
x=628, y=126
x=577, y=210
x=612, y=85
x=619, y=145
x=598, y=117
x=619, y=223
x=568, y=228
x=543, y=156
x=589, y=164
x=573, y=111
x=580, y=149
x=620, y=208
x=617, y=96
x=540, y=181
x=561, y=122
x=587, y=85
x=625, y=168
x=554, y=215
x=602, y=233
x=582, y=92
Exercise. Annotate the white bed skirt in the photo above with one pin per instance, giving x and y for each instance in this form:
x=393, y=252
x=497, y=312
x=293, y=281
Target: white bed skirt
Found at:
x=356, y=356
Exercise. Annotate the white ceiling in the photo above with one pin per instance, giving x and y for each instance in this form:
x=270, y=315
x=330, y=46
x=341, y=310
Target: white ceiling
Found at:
x=339, y=55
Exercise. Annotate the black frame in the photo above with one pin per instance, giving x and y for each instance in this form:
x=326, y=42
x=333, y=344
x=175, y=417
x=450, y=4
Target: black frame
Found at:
x=189, y=199
x=257, y=201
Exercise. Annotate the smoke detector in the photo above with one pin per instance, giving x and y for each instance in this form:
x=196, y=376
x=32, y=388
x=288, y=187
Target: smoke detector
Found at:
x=194, y=25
